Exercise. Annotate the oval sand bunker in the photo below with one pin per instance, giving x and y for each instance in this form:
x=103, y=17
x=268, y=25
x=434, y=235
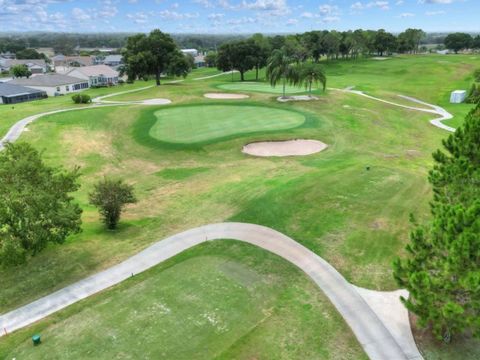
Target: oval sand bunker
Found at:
x=225, y=96
x=284, y=148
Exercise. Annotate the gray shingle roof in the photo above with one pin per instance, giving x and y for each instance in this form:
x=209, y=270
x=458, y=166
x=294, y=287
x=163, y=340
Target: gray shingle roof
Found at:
x=11, y=90
x=48, y=80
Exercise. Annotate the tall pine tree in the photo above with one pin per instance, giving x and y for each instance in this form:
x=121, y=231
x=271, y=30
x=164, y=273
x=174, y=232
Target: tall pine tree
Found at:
x=442, y=269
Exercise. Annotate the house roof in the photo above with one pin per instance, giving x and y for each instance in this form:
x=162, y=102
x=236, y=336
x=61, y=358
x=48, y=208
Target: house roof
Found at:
x=9, y=90
x=96, y=70
x=28, y=62
x=115, y=58
x=48, y=80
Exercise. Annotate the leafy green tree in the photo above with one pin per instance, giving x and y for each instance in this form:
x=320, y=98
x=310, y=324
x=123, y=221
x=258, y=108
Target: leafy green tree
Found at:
x=20, y=70
x=384, y=42
x=261, y=51
x=211, y=59
x=152, y=54
x=36, y=207
x=476, y=75
x=180, y=65
x=237, y=55
x=280, y=68
x=473, y=94
x=476, y=43
x=442, y=269
x=111, y=196
x=308, y=74
x=29, y=54
x=458, y=41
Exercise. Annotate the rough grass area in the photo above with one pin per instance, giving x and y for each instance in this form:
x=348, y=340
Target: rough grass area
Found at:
x=357, y=219
x=222, y=300
x=202, y=123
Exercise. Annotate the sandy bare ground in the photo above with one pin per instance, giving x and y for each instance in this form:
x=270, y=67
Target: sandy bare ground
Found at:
x=225, y=96
x=297, y=98
x=380, y=58
x=284, y=148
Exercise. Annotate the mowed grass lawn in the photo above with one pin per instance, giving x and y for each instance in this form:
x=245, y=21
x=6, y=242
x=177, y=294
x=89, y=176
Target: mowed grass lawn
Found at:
x=222, y=300
x=354, y=218
x=261, y=87
x=203, y=123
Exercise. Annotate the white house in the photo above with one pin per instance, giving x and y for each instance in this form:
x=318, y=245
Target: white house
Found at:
x=191, y=52
x=36, y=66
x=96, y=75
x=53, y=84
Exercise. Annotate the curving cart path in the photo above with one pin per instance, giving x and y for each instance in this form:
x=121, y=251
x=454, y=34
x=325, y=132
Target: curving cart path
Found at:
x=378, y=319
x=434, y=109
x=373, y=335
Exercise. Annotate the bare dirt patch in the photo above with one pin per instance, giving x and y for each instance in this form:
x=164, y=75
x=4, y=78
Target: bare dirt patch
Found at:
x=82, y=142
x=284, y=148
x=297, y=98
x=225, y=96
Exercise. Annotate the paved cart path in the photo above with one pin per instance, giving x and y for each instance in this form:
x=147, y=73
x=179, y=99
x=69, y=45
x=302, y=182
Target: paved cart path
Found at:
x=377, y=341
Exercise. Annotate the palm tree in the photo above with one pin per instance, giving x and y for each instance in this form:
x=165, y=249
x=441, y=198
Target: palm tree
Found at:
x=279, y=67
x=309, y=74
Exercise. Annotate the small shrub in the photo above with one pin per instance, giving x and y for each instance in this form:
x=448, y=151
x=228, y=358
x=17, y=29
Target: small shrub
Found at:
x=81, y=99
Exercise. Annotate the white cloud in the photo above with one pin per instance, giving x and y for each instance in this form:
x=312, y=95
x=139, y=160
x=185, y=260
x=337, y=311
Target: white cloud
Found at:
x=80, y=14
x=434, y=13
x=406, y=15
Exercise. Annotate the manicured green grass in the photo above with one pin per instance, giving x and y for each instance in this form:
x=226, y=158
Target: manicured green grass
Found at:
x=223, y=300
x=201, y=123
x=260, y=87
x=354, y=218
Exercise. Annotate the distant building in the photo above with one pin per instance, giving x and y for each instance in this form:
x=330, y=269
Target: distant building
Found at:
x=36, y=66
x=191, y=52
x=7, y=55
x=113, y=60
x=13, y=94
x=72, y=61
x=53, y=84
x=458, y=96
x=199, y=61
x=96, y=75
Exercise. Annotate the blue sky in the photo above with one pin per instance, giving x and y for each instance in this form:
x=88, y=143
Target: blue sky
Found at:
x=237, y=16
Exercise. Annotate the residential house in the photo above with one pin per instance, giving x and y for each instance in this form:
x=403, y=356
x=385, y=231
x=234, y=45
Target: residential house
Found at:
x=53, y=84
x=96, y=75
x=36, y=66
x=199, y=61
x=72, y=61
x=191, y=52
x=13, y=94
x=113, y=60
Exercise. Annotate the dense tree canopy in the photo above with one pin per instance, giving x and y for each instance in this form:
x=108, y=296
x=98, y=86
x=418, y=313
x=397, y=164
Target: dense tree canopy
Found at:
x=237, y=55
x=442, y=270
x=36, y=207
x=153, y=54
x=458, y=41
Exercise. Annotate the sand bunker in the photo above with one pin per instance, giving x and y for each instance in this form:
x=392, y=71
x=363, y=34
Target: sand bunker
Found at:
x=284, y=148
x=380, y=58
x=155, y=102
x=225, y=96
x=297, y=98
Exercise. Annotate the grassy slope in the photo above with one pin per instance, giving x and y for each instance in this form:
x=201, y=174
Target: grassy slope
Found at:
x=356, y=219
x=221, y=300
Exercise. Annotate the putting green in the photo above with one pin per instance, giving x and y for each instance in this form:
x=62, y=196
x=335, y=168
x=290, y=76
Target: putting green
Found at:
x=261, y=87
x=202, y=123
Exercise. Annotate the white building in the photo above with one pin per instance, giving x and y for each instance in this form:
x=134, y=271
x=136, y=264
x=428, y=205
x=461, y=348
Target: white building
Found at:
x=36, y=66
x=458, y=96
x=191, y=52
x=53, y=84
x=96, y=75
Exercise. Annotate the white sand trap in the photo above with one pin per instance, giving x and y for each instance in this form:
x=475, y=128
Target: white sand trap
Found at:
x=284, y=148
x=380, y=58
x=297, y=98
x=155, y=102
x=226, y=96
